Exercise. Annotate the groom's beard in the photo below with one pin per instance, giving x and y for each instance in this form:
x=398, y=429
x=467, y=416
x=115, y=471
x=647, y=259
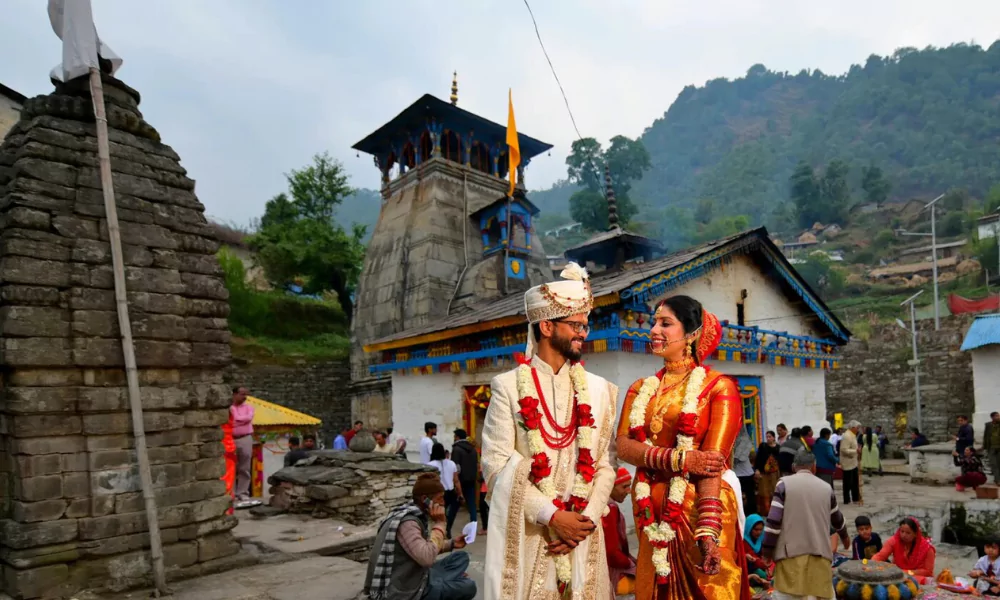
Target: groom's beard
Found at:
x=564, y=346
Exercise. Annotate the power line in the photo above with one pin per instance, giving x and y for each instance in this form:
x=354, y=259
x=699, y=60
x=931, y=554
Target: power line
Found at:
x=553, y=69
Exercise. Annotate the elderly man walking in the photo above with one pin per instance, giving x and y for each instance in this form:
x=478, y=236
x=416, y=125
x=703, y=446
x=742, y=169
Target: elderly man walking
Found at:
x=797, y=534
x=850, y=463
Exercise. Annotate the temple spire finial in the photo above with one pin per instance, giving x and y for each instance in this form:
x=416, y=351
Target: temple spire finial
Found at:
x=612, y=205
x=454, y=88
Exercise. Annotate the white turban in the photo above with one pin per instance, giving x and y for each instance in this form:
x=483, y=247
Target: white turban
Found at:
x=558, y=300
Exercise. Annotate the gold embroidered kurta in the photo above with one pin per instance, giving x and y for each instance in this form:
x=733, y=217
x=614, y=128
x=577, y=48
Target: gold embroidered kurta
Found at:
x=517, y=565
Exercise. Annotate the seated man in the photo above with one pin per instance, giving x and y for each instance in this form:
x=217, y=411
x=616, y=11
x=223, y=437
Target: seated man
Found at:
x=402, y=562
x=621, y=563
x=295, y=451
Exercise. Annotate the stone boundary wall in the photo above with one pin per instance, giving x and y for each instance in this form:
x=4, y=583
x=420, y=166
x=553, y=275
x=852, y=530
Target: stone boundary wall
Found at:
x=874, y=383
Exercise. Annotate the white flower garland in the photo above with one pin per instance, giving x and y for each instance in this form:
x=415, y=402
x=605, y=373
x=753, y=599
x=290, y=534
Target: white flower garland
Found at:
x=662, y=533
x=536, y=445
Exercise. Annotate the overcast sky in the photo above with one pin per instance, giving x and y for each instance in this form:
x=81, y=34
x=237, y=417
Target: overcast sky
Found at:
x=245, y=90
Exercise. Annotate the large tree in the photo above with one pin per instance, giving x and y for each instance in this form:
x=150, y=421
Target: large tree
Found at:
x=299, y=240
x=824, y=198
x=625, y=159
x=875, y=185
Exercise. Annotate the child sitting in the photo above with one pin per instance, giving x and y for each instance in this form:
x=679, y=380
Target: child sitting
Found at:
x=866, y=543
x=987, y=569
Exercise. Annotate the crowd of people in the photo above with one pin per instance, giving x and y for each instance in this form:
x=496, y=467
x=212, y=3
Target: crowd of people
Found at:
x=715, y=517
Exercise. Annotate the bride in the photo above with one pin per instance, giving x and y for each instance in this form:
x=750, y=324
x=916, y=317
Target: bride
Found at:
x=678, y=428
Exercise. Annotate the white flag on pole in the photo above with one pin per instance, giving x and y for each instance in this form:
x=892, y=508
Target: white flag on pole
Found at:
x=73, y=22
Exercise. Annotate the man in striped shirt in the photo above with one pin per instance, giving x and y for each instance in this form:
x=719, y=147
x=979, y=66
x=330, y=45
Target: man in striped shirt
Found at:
x=801, y=551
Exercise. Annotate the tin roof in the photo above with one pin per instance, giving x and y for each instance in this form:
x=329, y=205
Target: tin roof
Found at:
x=509, y=310
x=985, y=331
x=267, y=413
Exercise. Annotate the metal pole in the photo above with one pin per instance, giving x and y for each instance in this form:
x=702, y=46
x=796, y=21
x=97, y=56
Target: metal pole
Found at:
x=937, y=310
x=916, y=362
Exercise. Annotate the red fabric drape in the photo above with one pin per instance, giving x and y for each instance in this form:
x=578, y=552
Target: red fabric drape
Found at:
x=959, y=305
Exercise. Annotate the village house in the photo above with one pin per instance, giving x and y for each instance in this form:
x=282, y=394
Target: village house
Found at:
x=10, y=108
x=988, y=226
x=983, y=342
x=441, y=312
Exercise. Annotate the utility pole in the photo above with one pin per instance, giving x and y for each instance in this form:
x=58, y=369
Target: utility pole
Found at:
x=915, y=363
x=934, y=257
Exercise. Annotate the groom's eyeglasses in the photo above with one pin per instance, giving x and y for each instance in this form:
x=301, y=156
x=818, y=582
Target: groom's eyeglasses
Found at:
x=576, y=326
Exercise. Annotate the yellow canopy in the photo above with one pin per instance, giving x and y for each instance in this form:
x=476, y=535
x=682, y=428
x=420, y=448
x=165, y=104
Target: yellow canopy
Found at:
x=267, y=413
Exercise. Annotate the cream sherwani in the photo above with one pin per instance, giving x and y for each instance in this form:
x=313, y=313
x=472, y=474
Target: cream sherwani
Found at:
x=517, y=566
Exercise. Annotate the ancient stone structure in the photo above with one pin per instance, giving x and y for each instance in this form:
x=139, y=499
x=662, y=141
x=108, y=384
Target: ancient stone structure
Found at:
x=320, y=389
x=447, y=238
x=359, y=488
x=72, y=512
x=875, y=384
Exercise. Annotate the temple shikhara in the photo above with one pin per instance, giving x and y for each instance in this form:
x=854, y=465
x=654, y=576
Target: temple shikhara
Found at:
x=440, y=306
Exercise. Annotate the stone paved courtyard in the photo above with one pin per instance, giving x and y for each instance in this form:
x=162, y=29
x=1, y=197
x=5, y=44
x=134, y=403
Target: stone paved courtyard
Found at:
x=288, y=548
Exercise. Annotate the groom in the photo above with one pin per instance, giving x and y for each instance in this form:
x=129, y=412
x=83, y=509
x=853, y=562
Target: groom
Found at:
x=545, y=456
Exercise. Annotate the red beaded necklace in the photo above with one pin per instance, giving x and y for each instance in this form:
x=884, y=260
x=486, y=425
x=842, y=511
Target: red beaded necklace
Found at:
x=564, y=435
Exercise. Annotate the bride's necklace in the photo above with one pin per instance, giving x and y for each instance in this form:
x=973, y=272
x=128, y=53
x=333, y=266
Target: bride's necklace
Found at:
x=668, y=394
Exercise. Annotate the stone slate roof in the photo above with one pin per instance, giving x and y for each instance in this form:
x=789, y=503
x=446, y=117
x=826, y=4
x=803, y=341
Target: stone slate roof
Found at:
x=12, y=94
x=985, y=331
x=509, y=310
x=414, y=118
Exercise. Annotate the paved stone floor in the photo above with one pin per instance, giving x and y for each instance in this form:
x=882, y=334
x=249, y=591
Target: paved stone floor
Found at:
x=287, y=547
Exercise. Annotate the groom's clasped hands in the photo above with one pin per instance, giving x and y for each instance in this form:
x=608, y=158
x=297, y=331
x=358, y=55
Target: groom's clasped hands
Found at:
x=570, y=529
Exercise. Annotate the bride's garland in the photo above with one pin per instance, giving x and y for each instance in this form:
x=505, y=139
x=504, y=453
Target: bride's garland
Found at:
x=661, y=534
x=541, y=470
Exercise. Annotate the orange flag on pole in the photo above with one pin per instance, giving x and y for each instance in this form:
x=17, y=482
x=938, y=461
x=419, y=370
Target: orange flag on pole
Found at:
x=513, y=148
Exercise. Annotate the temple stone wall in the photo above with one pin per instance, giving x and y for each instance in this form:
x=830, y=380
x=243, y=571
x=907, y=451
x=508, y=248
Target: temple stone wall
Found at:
x=320, y=389
x=72, y=515
x=415, y=259
x=10, y=113
x=875, y=384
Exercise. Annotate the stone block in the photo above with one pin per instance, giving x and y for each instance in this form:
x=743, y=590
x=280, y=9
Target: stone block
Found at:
x=111, y=459
x=19, y=216
x=182, y=554
x=205, y=264
x=48, y=445
x=33, y=321
x=93, y=352
x=101, y=506
x=158, y=281
x=157, y=303
x=74, y=227
x=45, y=377
x=116, y=481
x=24, y=246
x=33, y=535
x=210, y=468
x=34, y=583
x=36, y=186
x=34, y=271
x=36, y=352
x=98, y=528
x=36, y=489
x=160, y=376
x=82, y=298
x=204, y=286
x=208, y=354
x=31, y=400
x=95, y=323
x=217, y=546
x=151, y=353
x=29, y=294
x=74, y=463
x=37, y=201
x=195, y=307
x=210, y=434
x=152, y=236
x=211, y=450
x=109, y=442
x=33, y=512
x=173, y=454
x=160, y=327
x=38, y=465
x=105, y=424
x=198, y=244
x=172, y=437
x=326, y=492
x=25, y=426
x=39, y=557
x=76, y=485
x=212, y=396
x=162, y=421
x=78, y=508
x=210, y=509
x=197, y=530
x=206, y=418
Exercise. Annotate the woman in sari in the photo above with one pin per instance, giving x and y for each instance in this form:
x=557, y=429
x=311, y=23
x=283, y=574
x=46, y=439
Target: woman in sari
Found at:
x=760, y=570
x=910, y=550
x=678, y=428
x=871, y=461
x=767, y=472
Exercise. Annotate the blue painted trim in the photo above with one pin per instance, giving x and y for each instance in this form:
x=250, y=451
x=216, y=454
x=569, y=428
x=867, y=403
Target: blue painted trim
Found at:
x=416, y=363
x=811, y=301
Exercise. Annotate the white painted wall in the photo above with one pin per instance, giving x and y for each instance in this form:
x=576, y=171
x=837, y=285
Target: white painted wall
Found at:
x=10, y=113
x=437, y=397
x=986, y=382
x=988, y=230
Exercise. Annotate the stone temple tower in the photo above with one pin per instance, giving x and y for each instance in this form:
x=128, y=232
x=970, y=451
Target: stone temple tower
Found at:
x=448, y=237
x=71, y=509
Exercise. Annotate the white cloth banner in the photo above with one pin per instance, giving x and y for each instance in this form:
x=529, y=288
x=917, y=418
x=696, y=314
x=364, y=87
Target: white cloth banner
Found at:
x=73, y=23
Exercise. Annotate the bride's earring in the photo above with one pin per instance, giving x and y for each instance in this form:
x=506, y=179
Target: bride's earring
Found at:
x=687, y=350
